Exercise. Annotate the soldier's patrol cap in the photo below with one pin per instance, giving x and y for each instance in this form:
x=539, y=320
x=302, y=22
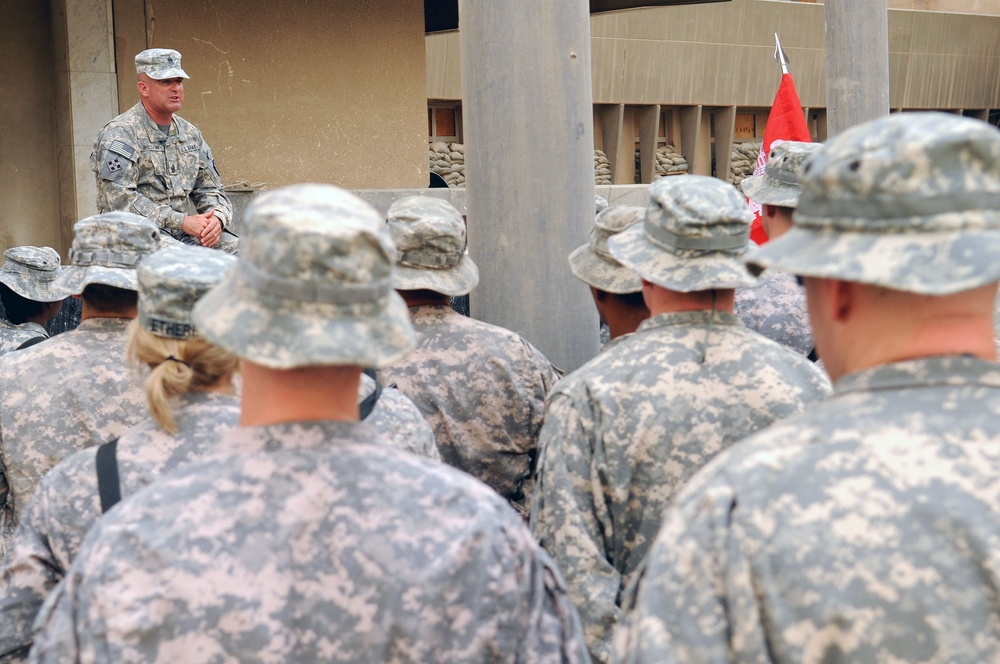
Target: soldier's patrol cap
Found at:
x=779, y=183
x=160, y=64
x=31, y=273
x=431, y=247
x=909, y=202
x=106, y=250
x=694, y=235
x=593, y=263
x=312, y=285
x=171, y=281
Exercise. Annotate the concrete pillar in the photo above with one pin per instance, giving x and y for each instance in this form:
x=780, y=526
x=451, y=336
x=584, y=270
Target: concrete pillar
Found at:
x=612, y=121
x=649, y=129
x=857, y=62
x=530, y=168
x=86, y=98
x=725, y=129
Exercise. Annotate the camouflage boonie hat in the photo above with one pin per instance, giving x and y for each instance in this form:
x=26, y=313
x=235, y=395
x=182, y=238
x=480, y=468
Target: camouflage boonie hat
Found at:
x=31, y=272
x=779, y=183
x=431, y=247
x=910, y=202
x=160, y=64
x=106, y=250
x=593, y=263
x=312, y=285
x=171, y=281
x=696, y=230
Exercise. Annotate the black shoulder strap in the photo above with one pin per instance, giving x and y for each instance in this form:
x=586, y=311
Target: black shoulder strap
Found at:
x=368, y=405
x=108, y=484
x=31, y=342
x=813, y=357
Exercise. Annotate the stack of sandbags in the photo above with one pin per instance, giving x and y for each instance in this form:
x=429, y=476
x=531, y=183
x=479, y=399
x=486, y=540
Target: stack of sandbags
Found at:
x=602, y=168
x=448, y=161
x=744, y=158
x=668, y=162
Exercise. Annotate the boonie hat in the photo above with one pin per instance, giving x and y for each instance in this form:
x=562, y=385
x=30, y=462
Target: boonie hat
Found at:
x=171, y=281
x=779, y=183
x=909, y=201
x=312, y=285
x=696, y=230
x=160, y=64
x=593, y=263
x=429, y=234
x=31, y=272
x=106, y=250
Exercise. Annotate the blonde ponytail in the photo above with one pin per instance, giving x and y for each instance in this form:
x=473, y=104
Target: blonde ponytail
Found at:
x=176, y=367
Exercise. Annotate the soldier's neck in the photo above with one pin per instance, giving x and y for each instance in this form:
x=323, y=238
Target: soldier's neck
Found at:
x=304, y=394
x=158, y=118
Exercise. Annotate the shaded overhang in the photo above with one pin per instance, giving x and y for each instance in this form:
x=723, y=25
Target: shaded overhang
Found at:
x=442, y=15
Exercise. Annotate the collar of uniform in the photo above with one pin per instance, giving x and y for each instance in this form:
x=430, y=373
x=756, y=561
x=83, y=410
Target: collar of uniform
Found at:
x=153, y=132
x=297, y=436
x=700, y=317
x=943, y=370
x=101, y=323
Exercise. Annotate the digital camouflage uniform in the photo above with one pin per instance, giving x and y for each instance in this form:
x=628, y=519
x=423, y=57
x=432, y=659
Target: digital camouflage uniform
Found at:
x=305, y=541
x=67, y=503
x=29, y=272
x=12, y=336
x=399, y=420
x=158, y=175
x=335, y=550
x=865, y=529
x=72, y=391
x=776, y=305
x=481, y=387
x=623, y=433
x=776, y=308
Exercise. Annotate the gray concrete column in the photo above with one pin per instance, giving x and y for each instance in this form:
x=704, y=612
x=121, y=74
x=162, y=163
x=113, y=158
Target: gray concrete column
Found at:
x=857, y=62
x=529, y=168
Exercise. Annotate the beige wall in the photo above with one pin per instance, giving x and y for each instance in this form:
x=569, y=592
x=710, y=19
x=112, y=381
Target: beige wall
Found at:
x=332, y=91
x=29, y=197
x=721, y=55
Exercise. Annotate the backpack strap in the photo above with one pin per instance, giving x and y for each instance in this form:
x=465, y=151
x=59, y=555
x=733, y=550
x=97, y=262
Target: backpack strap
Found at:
x=31, y=342
x=108, y=484
x=366, y=407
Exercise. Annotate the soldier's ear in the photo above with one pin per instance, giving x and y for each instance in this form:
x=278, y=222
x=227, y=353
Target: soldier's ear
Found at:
x=143, y=87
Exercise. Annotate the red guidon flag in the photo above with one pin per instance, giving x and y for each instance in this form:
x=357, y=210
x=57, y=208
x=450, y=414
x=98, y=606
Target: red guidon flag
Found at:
x=786, y=122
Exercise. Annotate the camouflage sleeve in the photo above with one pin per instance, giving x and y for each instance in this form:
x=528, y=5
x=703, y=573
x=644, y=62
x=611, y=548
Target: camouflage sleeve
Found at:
x=694, y=598
x=115, y=162
x=396, y=416
x=30, y=571
x=6, y=510
x=208, y=193
x=55, y=629
x=552, y=631
x=571, y=520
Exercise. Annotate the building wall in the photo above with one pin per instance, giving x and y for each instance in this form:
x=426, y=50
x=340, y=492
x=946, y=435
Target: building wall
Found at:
x=720, y=55
x=289, y=92
x=29, y=197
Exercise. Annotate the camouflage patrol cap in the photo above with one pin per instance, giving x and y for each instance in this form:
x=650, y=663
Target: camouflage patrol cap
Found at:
x=312, y=285
x=171, y=281
x=431, y=247
x=593, y=263
x=31, y=272
x=910, y=202
x=160, y=64
x=779, y=183
x=106, y=250
x=694, y=235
